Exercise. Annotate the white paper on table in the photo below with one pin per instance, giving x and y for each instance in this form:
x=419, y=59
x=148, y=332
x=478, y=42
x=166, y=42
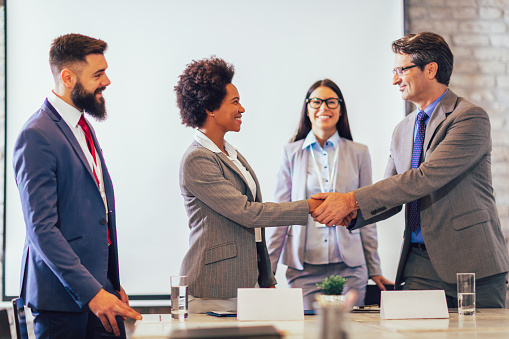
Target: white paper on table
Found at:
x=269, y=304
x=429, y=304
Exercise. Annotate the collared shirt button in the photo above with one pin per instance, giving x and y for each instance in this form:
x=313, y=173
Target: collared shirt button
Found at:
x=102, y=221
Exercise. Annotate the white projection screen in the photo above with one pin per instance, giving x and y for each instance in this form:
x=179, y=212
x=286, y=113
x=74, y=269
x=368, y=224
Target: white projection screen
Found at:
x=279, y=48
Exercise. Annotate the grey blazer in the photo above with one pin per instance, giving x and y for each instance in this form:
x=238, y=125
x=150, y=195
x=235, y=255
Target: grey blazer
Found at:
x=223, y=254
x=459, y=219
x=357, y=247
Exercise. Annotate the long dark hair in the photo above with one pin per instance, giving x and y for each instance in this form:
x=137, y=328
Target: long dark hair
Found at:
x=342, y=126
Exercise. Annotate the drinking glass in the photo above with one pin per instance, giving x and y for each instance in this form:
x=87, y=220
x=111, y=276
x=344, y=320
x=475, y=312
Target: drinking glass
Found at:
x=466, y=293
x=179, y=296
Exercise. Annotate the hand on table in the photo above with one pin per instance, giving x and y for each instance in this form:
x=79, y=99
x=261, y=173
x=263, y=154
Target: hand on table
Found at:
x=123, y=297
x=106, y=306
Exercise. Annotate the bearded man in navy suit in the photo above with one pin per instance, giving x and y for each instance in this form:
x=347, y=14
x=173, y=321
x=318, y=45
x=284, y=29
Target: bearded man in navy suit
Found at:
x=70, y=276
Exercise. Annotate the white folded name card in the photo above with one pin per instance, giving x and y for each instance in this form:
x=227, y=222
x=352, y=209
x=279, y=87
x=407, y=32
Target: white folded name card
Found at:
x=269, y=304
x=429, y=304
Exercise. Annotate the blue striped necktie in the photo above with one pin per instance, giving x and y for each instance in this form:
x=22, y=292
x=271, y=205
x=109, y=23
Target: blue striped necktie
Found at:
x=414, y=217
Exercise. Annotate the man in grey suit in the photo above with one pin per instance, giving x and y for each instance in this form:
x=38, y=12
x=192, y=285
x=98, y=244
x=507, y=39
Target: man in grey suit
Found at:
x=440, y=167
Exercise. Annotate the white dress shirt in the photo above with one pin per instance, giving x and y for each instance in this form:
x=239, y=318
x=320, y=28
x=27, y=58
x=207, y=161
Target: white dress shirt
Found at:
x=71, y=116
x=321, y=242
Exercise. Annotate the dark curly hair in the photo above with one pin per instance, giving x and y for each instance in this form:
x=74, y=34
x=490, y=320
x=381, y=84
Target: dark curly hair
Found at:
x=426, y=47
x=201, y=88
x=342, y=125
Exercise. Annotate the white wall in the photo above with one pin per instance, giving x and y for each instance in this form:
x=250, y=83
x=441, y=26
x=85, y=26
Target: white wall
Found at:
x=279, y=48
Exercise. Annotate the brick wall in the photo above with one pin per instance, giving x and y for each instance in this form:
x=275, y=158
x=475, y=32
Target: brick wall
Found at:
x=478, y=33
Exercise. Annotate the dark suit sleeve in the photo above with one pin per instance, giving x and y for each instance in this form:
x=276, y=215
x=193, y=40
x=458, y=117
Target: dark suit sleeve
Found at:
x=35, y=167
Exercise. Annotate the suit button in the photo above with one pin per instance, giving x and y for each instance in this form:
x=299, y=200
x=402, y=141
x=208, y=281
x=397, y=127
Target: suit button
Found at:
x=103, y=221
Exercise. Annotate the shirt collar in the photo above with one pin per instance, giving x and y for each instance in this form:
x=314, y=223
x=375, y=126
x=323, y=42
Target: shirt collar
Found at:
x=70, y=114
x=311, y=139
x=204, y=140
x=429, y=110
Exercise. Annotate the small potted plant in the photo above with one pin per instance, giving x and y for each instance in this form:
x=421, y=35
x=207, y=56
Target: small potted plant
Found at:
x=331, y=287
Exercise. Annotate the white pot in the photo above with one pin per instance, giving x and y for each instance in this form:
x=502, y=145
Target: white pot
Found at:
x=324, y=300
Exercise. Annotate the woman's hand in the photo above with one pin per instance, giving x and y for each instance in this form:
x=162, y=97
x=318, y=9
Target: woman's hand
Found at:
x=313, y=204
x=381, y=281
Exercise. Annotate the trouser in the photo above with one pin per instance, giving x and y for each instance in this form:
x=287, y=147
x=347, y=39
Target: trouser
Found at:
x=357, y=279
x=419, y=274
x=73, y=325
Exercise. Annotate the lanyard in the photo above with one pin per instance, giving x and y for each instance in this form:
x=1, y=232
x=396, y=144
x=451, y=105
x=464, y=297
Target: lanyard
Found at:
x=332, y=174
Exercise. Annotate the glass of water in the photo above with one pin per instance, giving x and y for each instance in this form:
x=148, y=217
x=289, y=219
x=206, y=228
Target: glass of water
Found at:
x=179, y=303
x=466, y=293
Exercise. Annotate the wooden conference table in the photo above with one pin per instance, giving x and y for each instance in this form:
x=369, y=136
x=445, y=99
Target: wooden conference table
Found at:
x=487, y=323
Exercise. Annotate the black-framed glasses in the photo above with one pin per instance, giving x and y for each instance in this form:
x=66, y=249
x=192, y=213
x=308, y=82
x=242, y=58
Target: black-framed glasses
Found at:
x=317, y=102
x=399, y=70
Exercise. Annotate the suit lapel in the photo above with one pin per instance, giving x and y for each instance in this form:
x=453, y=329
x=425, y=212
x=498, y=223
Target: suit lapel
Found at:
x=108, y=185
x=244, y=162
x=300, y=173
x=62, y=125
x=234, y=168
x=406, y=143
x=443, y=109
x=343, y=167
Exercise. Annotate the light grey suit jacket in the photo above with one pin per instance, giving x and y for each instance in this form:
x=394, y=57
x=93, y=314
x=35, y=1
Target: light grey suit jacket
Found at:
x=223, y=254
x=357, y=247
x=459, y=219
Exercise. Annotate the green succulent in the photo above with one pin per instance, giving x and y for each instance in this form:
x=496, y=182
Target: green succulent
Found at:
x=332, y=285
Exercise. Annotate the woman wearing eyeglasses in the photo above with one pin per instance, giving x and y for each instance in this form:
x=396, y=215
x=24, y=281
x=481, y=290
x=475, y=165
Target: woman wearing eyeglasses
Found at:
x=323, y=158
x=227, y=248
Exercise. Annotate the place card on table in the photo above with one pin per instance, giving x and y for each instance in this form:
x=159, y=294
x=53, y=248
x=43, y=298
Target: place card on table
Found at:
x=269, y=304
x=428, y=304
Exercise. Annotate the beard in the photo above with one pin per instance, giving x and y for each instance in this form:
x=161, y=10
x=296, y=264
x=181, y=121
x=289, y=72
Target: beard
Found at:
x=87, y=102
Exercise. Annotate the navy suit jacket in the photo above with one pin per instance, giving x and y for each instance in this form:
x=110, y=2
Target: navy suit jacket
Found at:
x=66, y=257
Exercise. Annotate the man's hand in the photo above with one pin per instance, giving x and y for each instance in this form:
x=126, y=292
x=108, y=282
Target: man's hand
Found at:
x=313, y=204
x=106, y=306
x=381, y=281
x=123, y=296
x=348, y=218
x=335, y=208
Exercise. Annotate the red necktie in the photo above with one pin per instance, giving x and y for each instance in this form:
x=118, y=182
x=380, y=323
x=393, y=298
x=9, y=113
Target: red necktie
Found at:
x=90, y=143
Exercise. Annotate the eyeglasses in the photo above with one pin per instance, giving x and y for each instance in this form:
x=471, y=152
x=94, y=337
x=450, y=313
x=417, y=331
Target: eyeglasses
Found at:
x=399, y=70
x=317, y=102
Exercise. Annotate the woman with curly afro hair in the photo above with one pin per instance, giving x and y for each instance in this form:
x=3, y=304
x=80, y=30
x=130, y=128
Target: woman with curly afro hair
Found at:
x=222, y=196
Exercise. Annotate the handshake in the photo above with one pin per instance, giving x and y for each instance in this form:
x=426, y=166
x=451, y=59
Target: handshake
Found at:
x=333, y=208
